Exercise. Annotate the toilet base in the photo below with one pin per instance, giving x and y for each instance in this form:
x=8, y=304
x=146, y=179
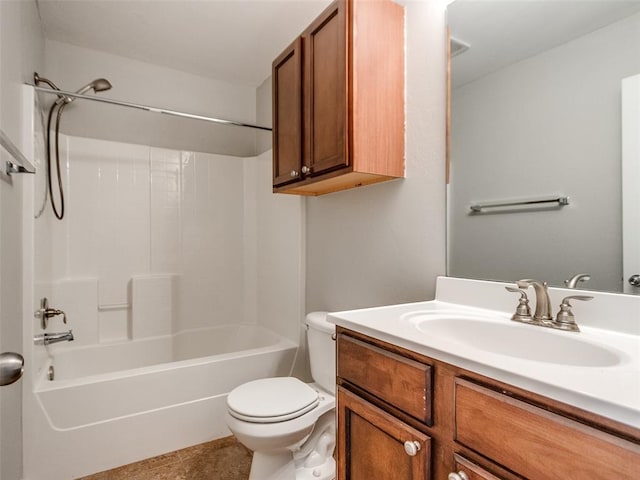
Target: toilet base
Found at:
x=311, y=459
x=326, y=471
x=282, y=467
x=272, y=466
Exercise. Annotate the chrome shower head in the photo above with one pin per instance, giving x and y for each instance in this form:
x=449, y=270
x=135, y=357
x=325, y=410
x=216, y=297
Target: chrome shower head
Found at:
x=98, y=85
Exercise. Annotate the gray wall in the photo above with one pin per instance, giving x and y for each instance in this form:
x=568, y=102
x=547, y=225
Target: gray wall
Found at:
x=546, y=125
x=385, y=243
x=21, y=52
x=263, y=115
x=71, y=67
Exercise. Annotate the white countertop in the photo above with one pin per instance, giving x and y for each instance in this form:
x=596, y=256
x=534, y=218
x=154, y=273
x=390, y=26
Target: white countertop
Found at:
x=612, y=391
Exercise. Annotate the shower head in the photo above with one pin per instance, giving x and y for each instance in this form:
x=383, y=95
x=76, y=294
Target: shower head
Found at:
x=98, y=85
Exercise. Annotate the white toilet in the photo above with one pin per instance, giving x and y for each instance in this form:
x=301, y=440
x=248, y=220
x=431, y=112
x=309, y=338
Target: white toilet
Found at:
x=290, y=425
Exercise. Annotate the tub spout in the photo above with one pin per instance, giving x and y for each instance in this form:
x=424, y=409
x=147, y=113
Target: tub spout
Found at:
x=49, y=338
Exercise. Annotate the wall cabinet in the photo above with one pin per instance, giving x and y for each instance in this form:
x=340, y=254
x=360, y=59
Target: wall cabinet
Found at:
x=473, y=427
x=338, y=101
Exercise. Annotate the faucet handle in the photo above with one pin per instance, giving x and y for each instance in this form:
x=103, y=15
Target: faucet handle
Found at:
x=565, y=320
x=44, y=313
x=523, y=294
x=523, y=311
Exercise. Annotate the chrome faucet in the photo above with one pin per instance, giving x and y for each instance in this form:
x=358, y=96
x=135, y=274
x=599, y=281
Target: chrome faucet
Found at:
x=580, y=277
x=543, y=312
x=543, y=316
x=49, y=338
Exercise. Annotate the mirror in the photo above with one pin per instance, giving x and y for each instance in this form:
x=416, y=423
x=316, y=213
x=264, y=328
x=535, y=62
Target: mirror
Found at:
x=536, y=114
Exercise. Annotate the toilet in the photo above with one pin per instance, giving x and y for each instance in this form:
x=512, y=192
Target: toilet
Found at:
x=290, y=425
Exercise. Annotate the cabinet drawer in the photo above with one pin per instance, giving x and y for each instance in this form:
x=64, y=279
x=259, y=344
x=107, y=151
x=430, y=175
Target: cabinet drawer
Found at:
x=399, y=381
x=535, y=443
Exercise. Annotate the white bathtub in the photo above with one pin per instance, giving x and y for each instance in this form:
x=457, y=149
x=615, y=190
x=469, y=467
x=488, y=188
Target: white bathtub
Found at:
x=114, y=404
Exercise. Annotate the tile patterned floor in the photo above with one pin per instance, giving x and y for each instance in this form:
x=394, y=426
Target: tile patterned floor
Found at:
x=223, y=459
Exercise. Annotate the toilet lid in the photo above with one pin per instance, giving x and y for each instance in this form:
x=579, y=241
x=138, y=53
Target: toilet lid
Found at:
x=271, y=400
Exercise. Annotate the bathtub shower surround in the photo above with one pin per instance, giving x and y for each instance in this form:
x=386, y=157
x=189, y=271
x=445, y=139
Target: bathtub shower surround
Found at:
x=166, y=265
x=153, y=231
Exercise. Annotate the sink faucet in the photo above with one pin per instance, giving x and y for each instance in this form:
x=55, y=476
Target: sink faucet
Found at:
x=49, y=338
x=580, y=277
x=543, y=302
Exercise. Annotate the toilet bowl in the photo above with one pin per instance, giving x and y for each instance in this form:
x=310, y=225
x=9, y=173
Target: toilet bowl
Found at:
x=289, y=424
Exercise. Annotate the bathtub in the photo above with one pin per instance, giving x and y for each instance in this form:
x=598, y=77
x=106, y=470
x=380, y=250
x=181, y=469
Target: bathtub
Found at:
x=113, y=404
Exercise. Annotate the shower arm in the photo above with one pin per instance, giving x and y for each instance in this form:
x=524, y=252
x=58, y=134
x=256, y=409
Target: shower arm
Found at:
x=38, y=79
x=148, y=108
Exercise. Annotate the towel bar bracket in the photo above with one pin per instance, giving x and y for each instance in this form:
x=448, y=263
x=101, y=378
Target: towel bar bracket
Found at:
x=12, y=167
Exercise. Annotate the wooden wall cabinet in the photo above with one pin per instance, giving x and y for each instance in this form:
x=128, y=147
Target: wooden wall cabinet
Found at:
x=476, y=428
x=338, y=101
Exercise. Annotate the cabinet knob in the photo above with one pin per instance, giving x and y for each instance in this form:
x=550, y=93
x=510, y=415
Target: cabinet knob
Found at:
x=306, y=169
x=458, y=476
x=412, y=448
x=294, y=173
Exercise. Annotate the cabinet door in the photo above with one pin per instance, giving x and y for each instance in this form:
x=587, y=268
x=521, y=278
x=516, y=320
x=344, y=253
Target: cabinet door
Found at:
x=326, y=142
x=287, y=115
x=372, y=444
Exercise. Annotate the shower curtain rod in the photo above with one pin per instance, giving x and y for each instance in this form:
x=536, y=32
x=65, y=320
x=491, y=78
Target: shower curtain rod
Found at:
x=148, y=108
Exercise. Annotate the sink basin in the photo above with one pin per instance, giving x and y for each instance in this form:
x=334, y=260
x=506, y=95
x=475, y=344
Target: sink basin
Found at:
x=513, y=339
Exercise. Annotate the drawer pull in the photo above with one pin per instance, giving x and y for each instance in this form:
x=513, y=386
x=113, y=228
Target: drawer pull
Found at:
x=412, y=448
x=458, y=476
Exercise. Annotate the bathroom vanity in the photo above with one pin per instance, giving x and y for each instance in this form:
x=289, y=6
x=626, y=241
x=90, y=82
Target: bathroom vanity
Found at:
x=422, y=406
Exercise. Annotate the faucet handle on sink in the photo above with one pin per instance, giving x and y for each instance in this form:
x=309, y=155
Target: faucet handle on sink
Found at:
x=565, y=319
x=523, y=311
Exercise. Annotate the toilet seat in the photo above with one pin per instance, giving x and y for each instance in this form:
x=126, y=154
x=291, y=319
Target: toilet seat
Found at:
x=272, y=400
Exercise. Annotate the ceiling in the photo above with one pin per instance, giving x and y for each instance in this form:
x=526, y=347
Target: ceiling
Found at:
x=236, y=40
x=502, y=32
x=230, y=40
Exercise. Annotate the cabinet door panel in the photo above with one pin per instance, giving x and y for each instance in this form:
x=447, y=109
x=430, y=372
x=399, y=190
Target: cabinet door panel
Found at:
x=287, y=115
x=371, y=443
x=326, y=91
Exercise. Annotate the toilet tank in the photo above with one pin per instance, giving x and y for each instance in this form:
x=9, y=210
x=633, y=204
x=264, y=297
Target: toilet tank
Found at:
x=322, y=350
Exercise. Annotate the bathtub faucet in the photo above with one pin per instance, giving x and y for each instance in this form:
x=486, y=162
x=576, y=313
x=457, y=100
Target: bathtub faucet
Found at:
x=49, y=338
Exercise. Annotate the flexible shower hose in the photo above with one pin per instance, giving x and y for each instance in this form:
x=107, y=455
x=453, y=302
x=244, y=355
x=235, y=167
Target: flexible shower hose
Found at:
x=60, y=105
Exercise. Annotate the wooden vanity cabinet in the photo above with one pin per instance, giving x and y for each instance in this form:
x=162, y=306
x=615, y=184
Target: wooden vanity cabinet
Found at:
x=338, y=101
x=475, y=427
